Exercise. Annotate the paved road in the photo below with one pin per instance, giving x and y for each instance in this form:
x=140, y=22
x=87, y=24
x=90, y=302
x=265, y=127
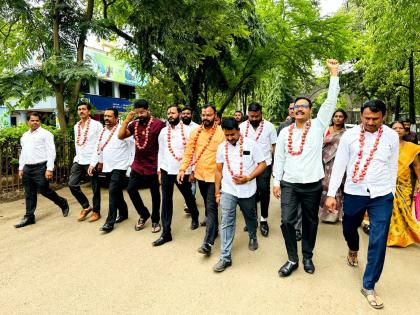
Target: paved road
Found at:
x=61, y=266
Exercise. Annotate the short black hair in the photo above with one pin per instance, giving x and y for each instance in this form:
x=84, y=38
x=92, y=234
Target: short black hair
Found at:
x=114, y=110
x=405, y=121
x=178, y=109
x=238, y=111
x=375, y=106
x=303, y=98
x=230, y=124
x=36, y=114
x=86, y=103
x=211, y=106
x=141, y=103
x=254, y=107
x=187, y=108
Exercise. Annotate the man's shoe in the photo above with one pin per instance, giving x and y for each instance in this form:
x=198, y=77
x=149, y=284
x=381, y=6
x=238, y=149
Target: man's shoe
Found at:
x=84, y=213
x=221, y=265
x=287, y=269
x=94, y=217
x=308, y=265
x=253, y=244
x=264, y=228
x=245, y=228
x=107, y=228
x=194, y=224
x=162, y=240
x=203, y=223
x=24, y=222
x=205, y=249
x=65, y=208
x=120, y=219
x=298, y=236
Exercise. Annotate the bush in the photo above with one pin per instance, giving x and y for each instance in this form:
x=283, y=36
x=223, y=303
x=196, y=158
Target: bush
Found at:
x=14, y=133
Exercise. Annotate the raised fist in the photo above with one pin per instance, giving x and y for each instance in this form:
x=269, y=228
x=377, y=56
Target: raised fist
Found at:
x=333, y=65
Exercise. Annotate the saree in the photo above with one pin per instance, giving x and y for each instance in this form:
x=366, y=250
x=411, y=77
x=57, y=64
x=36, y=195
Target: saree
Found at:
x=329, y=149
x=404, y=229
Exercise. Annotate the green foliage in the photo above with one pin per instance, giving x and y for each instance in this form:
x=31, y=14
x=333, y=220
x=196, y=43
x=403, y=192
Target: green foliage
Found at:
x=14, y=133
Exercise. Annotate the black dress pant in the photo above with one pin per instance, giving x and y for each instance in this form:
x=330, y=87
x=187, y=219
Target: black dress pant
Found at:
x=138, y=181
x=207, y=190
x=168, y=182
x=263, y=191
x=116, y=196
x=309, y=196
x=34, y=181
x=77, y=173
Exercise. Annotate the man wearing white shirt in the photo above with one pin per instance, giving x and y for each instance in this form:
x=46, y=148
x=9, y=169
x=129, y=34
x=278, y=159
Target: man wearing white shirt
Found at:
x=36, y=165
x=86, y=134
x=368, y=154
x=115, y=156
x=298, y=170
x=172, y=142
x=264, y=133
x=239, y=161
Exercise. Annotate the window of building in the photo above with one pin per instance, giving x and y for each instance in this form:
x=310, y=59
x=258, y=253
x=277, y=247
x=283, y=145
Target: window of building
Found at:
x=105, y=88
x=84, y=87
x=127, y=91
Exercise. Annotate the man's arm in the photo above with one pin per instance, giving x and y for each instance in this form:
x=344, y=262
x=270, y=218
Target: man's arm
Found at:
x=161, y=141
x=393, y=162
x=218, y=180
x=124, y=132
x=279, y=160
x=340, y=165
x=50, y=148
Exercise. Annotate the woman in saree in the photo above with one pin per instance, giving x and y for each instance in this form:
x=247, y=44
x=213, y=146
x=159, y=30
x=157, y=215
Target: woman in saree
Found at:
x=404, y=229
x=331, y=139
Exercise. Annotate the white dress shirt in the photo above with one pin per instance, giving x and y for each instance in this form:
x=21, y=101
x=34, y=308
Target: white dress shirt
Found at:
x=166, y=161
x=192, y=125
x=306, y=167
x=84, y=152
x=37, y=147
x=117, y=153
x=266, y=140
x=381, y=175
x=253, y=154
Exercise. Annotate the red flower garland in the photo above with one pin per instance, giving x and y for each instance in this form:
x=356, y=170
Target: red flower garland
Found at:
x=191, y=163
x=101, y=149
x=146, y=136
x=85, y=134
x=241, y=153
x=260, y=129
x=184, y=141
x=360, y=155
x=290, y=138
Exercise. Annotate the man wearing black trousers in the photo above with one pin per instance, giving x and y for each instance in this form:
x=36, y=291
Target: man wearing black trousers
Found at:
x=36, y=165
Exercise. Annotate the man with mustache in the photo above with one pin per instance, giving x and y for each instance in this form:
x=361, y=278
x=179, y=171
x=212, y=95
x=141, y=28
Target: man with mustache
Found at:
x=36, y=165
x=298, y=172
x=238, y=116
x=201, y=153
x=145, y=130
x=172, y=142
x=410, y=136
x=264, y=133
x=114, y=154
x=86, y=135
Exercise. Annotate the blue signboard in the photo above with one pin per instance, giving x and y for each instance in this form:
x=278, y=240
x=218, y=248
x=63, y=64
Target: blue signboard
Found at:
x=102, y=103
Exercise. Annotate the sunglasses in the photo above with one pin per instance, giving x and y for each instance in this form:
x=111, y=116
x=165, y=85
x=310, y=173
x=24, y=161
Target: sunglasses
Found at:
x=306, y=106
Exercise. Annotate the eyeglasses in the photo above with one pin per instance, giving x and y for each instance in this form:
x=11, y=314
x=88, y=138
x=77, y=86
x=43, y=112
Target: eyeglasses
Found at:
x=305, y=106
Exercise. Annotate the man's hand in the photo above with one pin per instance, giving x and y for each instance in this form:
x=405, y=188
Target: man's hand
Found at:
x=159, y=178
x=130, y=117
x=276, y=192
x=20, y=174
x=191, y=178
x=240, y=180
x=180, y=177
x=333, y=65
x=90, y=170
x=99, y=167
x=217, y=198
x=331, y=204
x=48, y=175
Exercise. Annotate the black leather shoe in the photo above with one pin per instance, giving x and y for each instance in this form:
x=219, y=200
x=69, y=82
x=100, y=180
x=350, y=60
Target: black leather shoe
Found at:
x=245, y=228
x=25, y=221
x=107, y=228
x=204, y=222
x=221, y=265
x=120, y=219
x=253, y=244
x=65, y=208
x=298, y=236
x=194, y=224
x=162, y=240
x=205, y=249
x=264, y=228
x=308, y=265
x=287, y=269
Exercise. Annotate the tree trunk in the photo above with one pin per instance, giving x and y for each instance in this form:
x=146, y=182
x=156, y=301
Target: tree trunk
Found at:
x=397, y=108
x=411, y=103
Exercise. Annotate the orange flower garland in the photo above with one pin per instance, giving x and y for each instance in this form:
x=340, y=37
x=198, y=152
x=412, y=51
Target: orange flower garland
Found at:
x=85, y=134
x=146, y=136
x=241, y=153
x=192, y=163
x=100, y=148
x=290, y=138
x=260, y=129
x=184, y=141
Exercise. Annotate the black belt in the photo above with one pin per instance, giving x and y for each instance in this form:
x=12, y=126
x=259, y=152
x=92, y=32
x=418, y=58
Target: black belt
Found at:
x=37, y=164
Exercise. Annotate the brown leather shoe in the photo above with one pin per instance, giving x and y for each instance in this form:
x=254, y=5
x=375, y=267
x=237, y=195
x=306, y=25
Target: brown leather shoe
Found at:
x=94, y=217
x=84, y=213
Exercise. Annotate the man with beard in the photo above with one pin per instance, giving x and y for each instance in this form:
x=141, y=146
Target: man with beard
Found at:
x=410, y=136
x=172, y=142
x=114, y=154
x=299, y=172
x=264, y=133
x=86, y=134
x=239, y=161
x=238, y=116
x=201, y=153
x=36, y=165
x=145, y=130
